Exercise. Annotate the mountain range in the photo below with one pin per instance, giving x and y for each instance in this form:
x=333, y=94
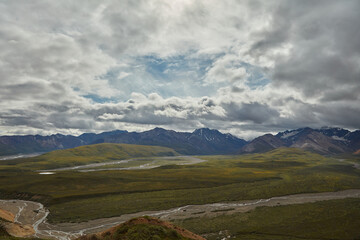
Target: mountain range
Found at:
x=324, y=141
x=202, y=141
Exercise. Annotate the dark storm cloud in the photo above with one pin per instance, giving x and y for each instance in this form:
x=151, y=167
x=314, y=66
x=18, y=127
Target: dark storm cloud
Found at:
x=254, y=112
x=28, y=118
x=324, y=41
x=340, y=114
x=32, y=90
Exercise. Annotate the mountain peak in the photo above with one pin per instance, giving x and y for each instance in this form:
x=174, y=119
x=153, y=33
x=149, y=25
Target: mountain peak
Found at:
x=202, y=131
x=158, y=129
x=324, y=140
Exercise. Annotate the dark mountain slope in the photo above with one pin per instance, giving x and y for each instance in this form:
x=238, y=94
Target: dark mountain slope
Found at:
x=10, y=145
x=201, y=141
x=263, y=144
x=317, y=142
x=214, y=142
x=90, y=138
x=354, y=139
x=333, y=132
x=324, y=141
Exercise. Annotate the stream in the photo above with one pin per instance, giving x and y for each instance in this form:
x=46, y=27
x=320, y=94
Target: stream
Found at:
x=35, y=214
x=177, y=160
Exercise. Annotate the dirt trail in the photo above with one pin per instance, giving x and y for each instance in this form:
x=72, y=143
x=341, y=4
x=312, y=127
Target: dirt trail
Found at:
x=34, y=214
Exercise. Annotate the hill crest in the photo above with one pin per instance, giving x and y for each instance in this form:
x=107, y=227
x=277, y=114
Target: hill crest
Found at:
x=144, y=228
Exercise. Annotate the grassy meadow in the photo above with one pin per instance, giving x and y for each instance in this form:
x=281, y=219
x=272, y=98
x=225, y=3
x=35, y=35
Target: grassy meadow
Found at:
x=87, y=154
x=75, y=196
x=333, y=219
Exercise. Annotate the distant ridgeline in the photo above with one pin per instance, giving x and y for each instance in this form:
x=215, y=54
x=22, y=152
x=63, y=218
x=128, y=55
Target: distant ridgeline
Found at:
x=202, y=141
x=323, y=141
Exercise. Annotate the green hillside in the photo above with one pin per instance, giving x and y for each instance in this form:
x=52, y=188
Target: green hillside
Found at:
x=220, y=178
x=90, y=154
x=144, y=228
x=333, y=219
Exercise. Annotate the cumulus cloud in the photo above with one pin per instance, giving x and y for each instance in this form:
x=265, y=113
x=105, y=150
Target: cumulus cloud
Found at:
x=246, y=67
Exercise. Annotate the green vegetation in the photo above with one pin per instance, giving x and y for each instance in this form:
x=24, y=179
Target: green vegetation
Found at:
x=143, y=231
x=334, y=219
x=223, y=210
x=220, y=178
x=87, y=154
x=144, y=228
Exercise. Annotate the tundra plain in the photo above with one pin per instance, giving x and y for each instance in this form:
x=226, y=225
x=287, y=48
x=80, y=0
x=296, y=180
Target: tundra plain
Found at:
x=73, y=196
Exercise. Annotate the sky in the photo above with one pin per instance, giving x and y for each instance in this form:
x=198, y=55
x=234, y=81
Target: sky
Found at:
x=242, y=67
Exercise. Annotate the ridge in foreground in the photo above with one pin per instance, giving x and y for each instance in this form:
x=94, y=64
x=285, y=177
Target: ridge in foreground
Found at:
x=144, y=228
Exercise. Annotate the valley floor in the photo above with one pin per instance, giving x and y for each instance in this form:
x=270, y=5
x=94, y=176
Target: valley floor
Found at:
x=27, y=213
x=281, y=194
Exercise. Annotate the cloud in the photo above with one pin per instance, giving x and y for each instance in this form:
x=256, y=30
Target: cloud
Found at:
x=51, y=56
x=227, y=68
x=324, y=52
x=246, y=67
x=254, y=112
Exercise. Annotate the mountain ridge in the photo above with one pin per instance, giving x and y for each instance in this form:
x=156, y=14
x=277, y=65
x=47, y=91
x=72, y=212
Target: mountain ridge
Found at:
x=144, y=228
x=323, y=141
x=203, y=141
